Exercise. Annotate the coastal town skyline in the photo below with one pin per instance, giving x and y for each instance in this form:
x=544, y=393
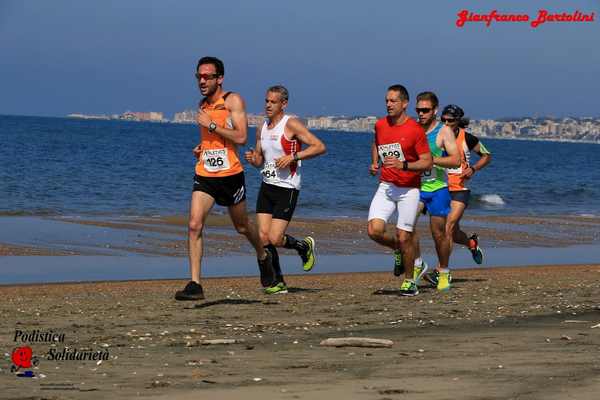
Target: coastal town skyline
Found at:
x=583, y=129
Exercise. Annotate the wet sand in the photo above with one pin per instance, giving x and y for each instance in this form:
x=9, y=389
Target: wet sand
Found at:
x=167, y=236
x=501, y=333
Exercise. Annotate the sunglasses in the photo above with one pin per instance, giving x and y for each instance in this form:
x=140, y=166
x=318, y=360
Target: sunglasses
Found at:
x=423, y=110
x=206, y=77
x=450, y=120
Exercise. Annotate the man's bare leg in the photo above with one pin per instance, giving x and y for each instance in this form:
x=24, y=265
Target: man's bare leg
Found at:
x=239, y=217
x=443, y=243
x=376, y=231
x=457, y=209
x=200, y=206
x=405, y=244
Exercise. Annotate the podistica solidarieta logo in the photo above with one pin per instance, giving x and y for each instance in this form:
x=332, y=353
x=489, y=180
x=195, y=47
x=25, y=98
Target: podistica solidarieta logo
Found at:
x=23, y=358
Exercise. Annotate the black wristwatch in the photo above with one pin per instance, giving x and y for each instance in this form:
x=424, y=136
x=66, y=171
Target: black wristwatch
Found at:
x=404, y=165
x=296, y=158
x=212, y=126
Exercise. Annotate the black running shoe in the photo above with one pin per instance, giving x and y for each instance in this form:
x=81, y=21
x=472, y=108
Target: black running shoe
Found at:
x=191, y=291
x=433, y=277
x=267, y=272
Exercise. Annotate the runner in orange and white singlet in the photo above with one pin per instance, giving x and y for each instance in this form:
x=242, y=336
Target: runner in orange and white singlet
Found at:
x=453, y=116
x=219, y=173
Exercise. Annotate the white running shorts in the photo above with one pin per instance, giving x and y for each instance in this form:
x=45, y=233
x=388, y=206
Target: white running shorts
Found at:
x=390, y=198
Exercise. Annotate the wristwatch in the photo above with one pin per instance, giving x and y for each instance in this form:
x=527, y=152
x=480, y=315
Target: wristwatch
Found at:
x=296, y=158
x=404, y=165
x=212, y=126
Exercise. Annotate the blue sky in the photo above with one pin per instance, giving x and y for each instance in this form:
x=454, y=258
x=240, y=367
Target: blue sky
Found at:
x=335, y=57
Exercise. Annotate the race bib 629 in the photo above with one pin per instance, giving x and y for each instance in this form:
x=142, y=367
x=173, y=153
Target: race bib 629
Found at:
x=390, y=150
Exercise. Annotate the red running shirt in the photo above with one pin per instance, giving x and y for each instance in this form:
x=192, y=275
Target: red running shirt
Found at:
x=405, y=142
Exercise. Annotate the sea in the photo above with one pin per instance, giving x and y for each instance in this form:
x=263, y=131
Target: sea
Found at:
x=70, y=167
x=55, y=169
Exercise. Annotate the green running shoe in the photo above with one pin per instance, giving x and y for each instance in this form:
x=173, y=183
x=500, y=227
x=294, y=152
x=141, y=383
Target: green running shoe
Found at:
x=398, y=265
x=444, y=280
x=476, y=251
x=418, y=272
x=409, y=288
x=434, y=277
x=280, y=288
x=309, y=256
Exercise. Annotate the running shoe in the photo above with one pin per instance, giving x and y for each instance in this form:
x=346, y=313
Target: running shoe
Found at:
x=444, y=280
x=418, y=272
x=409, y=288
x=398, y=266
x=191, y=291
x=267, y=273
x=280, y=288
x=432, y=277
x=475, y=250
x=309, y=255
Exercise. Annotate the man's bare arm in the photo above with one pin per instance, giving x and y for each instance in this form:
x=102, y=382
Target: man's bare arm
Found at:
x=237, y=109
x=255, y=156
x=447, y=141
x=484, y=158
x=297, y=130
x=315, y=146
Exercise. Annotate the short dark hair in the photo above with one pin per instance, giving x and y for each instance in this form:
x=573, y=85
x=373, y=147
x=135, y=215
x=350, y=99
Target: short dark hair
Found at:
x=428, y=96
x=219, y=66
x=285, y=95
x=400, y=89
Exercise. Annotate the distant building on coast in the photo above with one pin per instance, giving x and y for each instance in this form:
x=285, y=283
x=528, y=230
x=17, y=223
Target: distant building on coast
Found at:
x=185, y=117
x=150, y=116
x=346, y=124
x=189, y=117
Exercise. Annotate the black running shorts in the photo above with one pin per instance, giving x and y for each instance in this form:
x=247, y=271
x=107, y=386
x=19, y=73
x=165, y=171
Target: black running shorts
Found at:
x=227, y=191
x=278, y=201
x=461, y=195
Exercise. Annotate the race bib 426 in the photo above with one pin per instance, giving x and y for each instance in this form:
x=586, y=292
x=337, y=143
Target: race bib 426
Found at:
x=215, y=160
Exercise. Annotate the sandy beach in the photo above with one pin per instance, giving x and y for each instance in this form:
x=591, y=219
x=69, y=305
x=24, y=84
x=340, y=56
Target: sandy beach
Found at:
x=500, y=333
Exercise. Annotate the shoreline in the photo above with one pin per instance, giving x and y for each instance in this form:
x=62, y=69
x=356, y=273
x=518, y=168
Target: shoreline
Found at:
x=300, y=276
x=166, y=235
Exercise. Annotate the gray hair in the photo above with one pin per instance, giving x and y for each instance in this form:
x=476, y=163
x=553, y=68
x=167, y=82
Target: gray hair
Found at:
x=285, y=95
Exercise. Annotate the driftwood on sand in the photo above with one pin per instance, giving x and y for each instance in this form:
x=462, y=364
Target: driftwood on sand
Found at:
x=357, y=342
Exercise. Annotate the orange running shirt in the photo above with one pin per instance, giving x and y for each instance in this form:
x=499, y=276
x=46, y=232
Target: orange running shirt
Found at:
x=465, y=142
x=219, y=156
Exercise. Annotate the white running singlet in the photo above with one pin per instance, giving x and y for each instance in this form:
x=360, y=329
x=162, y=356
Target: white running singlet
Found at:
x=275, y=144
